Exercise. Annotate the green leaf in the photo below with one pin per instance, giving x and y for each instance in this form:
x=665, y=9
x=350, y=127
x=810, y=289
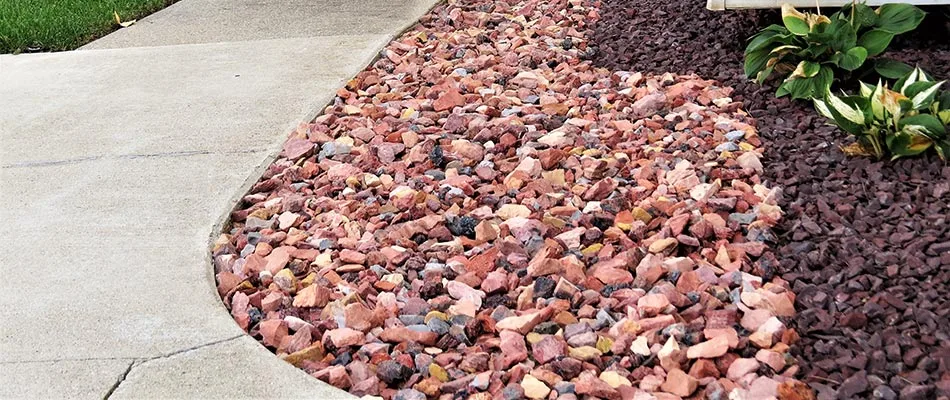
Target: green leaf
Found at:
x=845, y=37
x=891, y=69
x=823, y=81
x=849, y=112
x=944, y=100
x=809, y=87
x=764, y=74
x=864, y=16
x=852, y=59
x=944, y=116
x=794, y=20
x=866, y=89
x=815, y=52
x=854, y=107
x=805, y=69
x=767, y=37
x=784, y=49
x=898, y=18
x=838, y=36
x=913, y=77
x=907, y=143
x=924, y=124
x=755, y=62
x=922, y=94
x=823, y=109
x=782, y=90
x=875, y=41
x=917, y=87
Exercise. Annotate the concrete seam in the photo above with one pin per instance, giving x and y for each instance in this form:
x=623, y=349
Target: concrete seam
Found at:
x=119, y=381
x=169, y=154
x=193, y=348
x=221, y=42
x=53, y=360
x=142, y=361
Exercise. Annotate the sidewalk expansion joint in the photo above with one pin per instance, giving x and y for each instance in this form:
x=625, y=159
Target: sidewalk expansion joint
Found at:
x=119, y=381
x=141, y=361
x=169, y=154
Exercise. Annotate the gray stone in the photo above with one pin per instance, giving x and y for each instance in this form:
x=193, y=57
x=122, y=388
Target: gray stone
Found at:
x=727, y=146
x=735, y=135
x=884, y=392
x=409, y=394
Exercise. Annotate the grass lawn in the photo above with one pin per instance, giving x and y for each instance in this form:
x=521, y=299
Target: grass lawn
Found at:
x=53, y=25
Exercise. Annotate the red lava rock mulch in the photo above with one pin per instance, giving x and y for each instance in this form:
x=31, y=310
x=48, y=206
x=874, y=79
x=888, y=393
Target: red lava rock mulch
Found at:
x=865, y=244
x=483, y=214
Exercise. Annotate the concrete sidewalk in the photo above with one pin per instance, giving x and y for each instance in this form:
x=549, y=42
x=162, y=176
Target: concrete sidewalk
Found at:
x=117, y=161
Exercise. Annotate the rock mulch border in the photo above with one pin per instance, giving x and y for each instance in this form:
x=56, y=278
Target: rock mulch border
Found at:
x=482, y=213
x=865, y=244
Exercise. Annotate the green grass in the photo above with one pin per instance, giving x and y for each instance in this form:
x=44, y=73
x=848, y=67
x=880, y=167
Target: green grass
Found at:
x=54, y=25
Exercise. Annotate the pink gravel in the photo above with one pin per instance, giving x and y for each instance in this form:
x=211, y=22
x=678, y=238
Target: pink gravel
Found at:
x=482, y=214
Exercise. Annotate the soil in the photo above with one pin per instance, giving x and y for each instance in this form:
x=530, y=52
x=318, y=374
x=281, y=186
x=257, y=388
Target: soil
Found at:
x=864, y=243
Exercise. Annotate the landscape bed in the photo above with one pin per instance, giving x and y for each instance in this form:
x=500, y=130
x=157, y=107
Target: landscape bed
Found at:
x=482, y=213
x=864, y=244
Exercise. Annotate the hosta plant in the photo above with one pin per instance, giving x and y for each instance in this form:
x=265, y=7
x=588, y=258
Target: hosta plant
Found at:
x=903, y=121
x=812, y=50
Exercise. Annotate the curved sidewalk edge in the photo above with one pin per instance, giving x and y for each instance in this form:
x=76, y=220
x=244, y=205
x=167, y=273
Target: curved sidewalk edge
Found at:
x=116, y=165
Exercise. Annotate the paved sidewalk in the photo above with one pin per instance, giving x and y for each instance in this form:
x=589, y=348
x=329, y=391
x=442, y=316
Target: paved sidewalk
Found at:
x=116, y=163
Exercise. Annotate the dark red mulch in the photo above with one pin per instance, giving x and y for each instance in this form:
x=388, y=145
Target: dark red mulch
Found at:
x=865, y=244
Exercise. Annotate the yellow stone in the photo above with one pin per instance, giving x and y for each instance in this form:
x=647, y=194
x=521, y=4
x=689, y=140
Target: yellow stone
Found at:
x=244, y=285
x=286, y=280
x=592, y=153
x=345, y=140
x=629, y=326
x=534, y=388
x=371, y=180
x=661, y=245
x=308, y=280
x=554, y=221
x=592, y=249
x=614, y=379
x=746, y=146
x=604, y=343
x=584, y=353
x=438, y=372
x=624, y=220
x=533, y=337
x=641, y=215
x=395, y=279
x=407, y=113
x=350, y=109
x=262, y=213
x=436, y=315
x=323, y=260
x=312, y=353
